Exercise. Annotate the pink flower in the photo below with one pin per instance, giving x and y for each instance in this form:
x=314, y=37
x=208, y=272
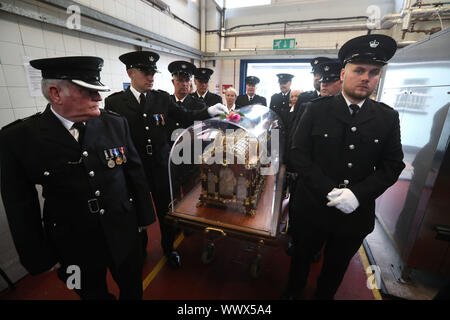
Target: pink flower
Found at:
x=234, y=117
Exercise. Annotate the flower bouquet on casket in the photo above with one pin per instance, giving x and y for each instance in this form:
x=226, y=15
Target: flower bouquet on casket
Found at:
x=233, y=116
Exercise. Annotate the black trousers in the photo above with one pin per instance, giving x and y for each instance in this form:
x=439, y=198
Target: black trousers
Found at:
x=93, y=286
x=339, y=250
x=161, y=198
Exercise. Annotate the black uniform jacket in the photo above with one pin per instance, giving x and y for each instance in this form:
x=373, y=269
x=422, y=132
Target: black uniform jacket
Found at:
x=292, y=119
x=243, y=101
x=330, y=147
x=190, y=104
x=86, y=203
x=279, y=104
x=210, y=98
x=151, y=126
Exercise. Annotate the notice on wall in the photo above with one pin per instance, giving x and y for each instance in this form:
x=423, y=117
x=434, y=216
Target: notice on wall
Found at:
x=33, y=78
x=225, y=87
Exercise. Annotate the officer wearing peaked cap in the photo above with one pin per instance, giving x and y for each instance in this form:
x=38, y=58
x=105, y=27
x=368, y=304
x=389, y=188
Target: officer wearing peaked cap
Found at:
x=96, y=195
x=279, y=102
x=201, y=80
x=330, y=82
x=294, y=118
x=250, y=97
x=347, y=152
x=149, y=113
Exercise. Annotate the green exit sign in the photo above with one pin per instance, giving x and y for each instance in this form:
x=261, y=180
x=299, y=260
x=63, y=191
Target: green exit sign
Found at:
x=283, y=44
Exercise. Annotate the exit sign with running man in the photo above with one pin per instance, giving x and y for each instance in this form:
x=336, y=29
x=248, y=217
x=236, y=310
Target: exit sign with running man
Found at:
x=283, y=44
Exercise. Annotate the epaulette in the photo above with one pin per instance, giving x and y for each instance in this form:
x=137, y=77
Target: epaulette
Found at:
x=384, y=105
x=115, y=93
x=16, y=122
x=162, y=91
x=111, y=112
x=321, y=98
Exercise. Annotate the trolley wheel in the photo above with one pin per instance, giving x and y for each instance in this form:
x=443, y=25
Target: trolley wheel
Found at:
x=208, y=253
x=255, y=268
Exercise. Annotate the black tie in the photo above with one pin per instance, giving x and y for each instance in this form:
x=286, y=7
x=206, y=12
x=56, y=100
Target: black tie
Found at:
x=251, y=98
x=142, y=103
x=81, y=127
x=355, y=109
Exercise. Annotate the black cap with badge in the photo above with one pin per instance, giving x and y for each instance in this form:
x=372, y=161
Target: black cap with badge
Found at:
x=81, y=70
x=203, y=74
x=331, y=71
x=183, y=68
x=318, y=60
x=252, y=80
x=284, y=77
x=142, y=60
x=372, y=48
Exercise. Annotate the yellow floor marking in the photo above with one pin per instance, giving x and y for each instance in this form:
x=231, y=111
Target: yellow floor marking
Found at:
x=159, y=265
x=365, y=262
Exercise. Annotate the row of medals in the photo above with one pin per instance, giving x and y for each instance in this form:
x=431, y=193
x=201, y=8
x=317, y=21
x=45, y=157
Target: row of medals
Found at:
x=115, y=156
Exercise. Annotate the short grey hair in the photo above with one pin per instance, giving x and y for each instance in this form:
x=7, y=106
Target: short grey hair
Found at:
x=47, y=83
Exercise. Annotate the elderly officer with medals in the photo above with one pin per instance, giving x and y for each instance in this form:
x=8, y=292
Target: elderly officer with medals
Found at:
x=95, y=193
x=250, y=97
x=201, y=80
x=347, y=152
x=148, y=112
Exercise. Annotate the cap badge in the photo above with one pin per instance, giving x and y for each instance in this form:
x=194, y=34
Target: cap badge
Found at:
x=203, y=71
x=316, y=61
x=152, y=59
x=374, y=43
x=326, y=68
x=183, y=66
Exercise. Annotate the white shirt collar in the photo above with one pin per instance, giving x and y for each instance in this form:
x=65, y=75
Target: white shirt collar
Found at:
x=203, y=96
x=233, y=107
x=136, y=94
x=66, y=123
x=176, y=98
x=349, y=103
x=251, y=96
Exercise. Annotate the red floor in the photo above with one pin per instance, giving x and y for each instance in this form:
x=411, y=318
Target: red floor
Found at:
x=227, y=277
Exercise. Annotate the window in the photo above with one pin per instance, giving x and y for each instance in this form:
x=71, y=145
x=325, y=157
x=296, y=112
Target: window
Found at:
x=229, y=4
x=267, y=73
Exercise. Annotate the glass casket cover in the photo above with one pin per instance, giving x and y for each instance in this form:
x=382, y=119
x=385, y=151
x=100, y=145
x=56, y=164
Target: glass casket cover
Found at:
x=225, y=173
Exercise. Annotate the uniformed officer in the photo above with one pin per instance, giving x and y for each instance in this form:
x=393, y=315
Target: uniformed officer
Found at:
x=250, y=97
x=148, y=112
x=347, y=152
x=201, y=80
x=292, y=120
x=182, y=72
x=279, y=102
x=95, y=193
x=330, y=82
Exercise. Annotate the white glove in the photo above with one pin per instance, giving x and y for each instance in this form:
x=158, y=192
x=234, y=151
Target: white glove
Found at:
x=343, y=199
x=217, y=109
